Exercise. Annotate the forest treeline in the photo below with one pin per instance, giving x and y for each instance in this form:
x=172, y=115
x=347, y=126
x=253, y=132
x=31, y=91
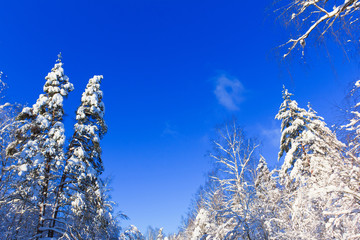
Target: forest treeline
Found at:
x=52, y=187
x=315, y=194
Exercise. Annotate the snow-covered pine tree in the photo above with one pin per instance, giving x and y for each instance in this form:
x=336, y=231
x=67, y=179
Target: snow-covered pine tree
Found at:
x=205, y=218
x=353, y=127
x=304, y=135
x=160, y=235
x=132, y=233
x=89, y=129
x=345, y=218
x=334, y=180
x=272, y=204
x=38, y=153
x=81, y=191
x=321, y=195
x=202, y=225
x=314, y=156
x=322, y=147
x=263, y=175
x=268, y=202
x=263, y=185
x=293, y=124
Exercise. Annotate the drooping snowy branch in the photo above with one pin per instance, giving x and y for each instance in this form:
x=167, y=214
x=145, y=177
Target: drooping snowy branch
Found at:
x=322, y=15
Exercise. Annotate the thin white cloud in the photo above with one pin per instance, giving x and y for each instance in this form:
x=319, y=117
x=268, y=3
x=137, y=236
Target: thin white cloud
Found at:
x=169, y=131
x=229, y=92
x=272, y=135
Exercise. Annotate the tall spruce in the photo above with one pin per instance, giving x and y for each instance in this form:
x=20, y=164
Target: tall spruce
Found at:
x=293, y=124
x=81, y=191
x=38, y=153
x=314, y=159
x=304, y=135
x=321, y=196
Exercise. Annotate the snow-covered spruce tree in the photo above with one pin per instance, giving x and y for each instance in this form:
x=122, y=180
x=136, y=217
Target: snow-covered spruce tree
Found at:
x=132, y=233
x=325, y=180
x=38, y=155
x=203, y=225
x=303, y=136
x=201, y=221
x=82, y=194
x=353, y=127
x=323, y=148
x=293, y=124
x=294, y=171
x=160, y=235
x=271, y=202
x=318, y=202
x=343, y=214
x=215, y=204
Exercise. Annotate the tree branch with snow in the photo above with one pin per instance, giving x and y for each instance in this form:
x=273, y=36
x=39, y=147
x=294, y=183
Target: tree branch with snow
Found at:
x=322, y=15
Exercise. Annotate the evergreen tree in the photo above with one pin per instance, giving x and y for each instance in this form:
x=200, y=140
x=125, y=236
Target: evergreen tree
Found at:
x=267, y=198
x=353, y=127
x=160, y=235
x=314, y=155
x=205, y=218
x=323, y=149
x=293, y=124
x=313, y=196
x=132, y=233
x=38, y=152
x=202, y=225
x=81, y=192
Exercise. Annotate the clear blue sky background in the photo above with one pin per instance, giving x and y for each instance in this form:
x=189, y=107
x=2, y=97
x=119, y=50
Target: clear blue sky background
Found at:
x=162, y=61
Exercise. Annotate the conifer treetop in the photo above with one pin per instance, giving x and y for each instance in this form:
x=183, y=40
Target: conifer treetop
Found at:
x=292, y=119
x=89, y=129
x=91, y=100
x=263, y=172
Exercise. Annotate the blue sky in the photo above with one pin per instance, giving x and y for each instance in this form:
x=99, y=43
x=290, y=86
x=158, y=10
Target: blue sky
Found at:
x=172, y=70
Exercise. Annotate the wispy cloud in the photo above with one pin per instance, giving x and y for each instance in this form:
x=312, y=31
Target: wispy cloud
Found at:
x=169, y=131
x=229, y=92
x=272, y=135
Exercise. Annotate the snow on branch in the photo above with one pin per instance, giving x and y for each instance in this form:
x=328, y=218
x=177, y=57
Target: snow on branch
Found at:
x=319, y=13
